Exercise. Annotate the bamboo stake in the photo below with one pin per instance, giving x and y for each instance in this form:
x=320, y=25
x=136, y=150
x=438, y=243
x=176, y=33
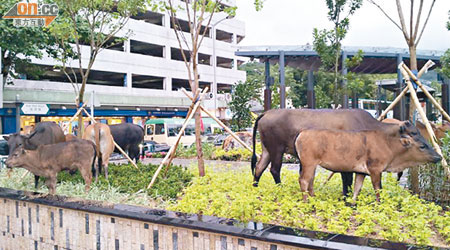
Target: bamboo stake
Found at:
x=221, y=124
x=73, y=117
x=392, y=105
x=115, y=144
x=180, y=133
x=425, y=120
x=197, y=93
x=435, y=103
x=425, y=68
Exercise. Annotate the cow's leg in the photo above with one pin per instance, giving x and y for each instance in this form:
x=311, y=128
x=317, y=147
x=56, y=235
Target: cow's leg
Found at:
x=306, y=178
x=376, y=182
x=359, y=181
x=347, y=179
x=276, y=159
x=261, y=165
x=399, y=175
x=311, y=184
x=105, y=165
x=51, y=184
x=36, y=181
x=87, y=176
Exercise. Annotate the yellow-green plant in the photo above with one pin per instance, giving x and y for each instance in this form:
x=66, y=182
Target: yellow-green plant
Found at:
x=399, y=216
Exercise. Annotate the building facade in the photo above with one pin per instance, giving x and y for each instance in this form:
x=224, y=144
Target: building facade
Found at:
x=134, y=80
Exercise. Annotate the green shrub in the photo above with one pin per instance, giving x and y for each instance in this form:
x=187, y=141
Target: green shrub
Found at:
x=127, y=179
x=399, y=216
x=191, y=152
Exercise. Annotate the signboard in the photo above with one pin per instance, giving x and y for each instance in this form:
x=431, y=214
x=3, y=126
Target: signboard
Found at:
x=35, y=109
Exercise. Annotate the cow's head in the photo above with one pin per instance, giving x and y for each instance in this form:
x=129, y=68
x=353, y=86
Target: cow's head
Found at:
x=17, y=158
x=16, y=140
x=418, y=149
x=442, y=129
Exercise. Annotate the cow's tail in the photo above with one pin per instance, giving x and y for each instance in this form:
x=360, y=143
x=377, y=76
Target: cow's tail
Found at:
x=97, y=147
x=254, y=158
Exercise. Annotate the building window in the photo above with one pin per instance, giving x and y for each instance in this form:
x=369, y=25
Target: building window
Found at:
x=146, y=48
x=224, y=36
x=147, y=82
x=175, y=54
x=184, y=26
x=150, y=17
x=224, y=62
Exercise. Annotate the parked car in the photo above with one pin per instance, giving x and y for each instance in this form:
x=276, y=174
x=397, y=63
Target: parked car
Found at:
x=153, y=147
x=4, y=151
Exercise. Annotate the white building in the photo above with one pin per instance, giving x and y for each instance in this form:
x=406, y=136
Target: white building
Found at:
x=139, y=78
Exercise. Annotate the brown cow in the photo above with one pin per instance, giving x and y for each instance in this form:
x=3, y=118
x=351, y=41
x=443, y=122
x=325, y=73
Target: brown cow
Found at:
x=49, y=160
x=44, y=133
x=100, y=135
x=371, y=152
x=70, y=137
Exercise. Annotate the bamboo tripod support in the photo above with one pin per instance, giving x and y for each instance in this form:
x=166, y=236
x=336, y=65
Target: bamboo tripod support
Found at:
x=73, y=117
x=115, y=144
x=180, y=133
x=425, y=119
x=221, y=124
x=424, y=69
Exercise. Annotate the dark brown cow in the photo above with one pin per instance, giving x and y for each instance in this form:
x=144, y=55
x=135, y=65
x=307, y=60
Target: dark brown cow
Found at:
x=371, y=152
x=43, y=134
x=279, y=128
x=49, y=160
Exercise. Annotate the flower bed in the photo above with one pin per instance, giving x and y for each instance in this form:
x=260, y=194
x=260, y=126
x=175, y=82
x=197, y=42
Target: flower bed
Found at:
x=399, y=216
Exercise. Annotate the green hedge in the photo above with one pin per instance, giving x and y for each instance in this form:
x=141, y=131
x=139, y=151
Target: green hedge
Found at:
x=128, y=179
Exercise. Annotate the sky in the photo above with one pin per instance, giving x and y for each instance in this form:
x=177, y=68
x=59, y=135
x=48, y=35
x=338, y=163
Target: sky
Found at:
x=291, y=22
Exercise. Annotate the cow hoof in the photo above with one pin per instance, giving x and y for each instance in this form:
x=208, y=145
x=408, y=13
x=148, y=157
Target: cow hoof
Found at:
x=255, y=184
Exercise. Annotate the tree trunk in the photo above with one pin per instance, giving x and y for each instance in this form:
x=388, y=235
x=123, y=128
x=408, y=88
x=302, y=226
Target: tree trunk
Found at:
x=413, y=57
x=80, y=104
x=198, y=141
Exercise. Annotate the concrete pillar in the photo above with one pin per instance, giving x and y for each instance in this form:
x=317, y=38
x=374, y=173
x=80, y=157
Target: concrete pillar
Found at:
x=127, y=45
x=128, y=80
x=267, y=91
x=282, y=81
x=168, y=83
x=344, y=82
x=399, y=109
x=167, y=53
x=311, y=98
x=166, y=20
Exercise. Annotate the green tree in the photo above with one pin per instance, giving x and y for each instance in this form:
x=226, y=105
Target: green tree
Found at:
x=328, y=43
x=242, y=94
x=19, y=44
x=94, y=23
x=199, y=15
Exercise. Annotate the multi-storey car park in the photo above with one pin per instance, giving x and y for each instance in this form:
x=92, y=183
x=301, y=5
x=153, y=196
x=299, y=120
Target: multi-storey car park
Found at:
x=134, y=80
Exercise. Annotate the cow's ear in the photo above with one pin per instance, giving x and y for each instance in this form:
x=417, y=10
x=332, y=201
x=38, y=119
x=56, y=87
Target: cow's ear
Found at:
x=408, y=124
x=406, y=141
x=6, y=137
x=402, y=129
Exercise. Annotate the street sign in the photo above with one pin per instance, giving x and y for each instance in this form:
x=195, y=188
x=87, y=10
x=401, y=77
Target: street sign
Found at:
x=35, y=109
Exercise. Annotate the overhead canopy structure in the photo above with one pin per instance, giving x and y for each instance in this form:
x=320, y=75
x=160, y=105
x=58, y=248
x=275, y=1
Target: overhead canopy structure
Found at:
x=376, y=60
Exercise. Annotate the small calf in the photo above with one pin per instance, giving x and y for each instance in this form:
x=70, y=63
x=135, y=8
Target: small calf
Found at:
x=49, y=160
x=365, y=152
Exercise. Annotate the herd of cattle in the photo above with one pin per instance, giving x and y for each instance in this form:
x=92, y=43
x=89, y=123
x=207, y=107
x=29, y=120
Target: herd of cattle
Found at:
x=46, y=151
x=347, y=141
